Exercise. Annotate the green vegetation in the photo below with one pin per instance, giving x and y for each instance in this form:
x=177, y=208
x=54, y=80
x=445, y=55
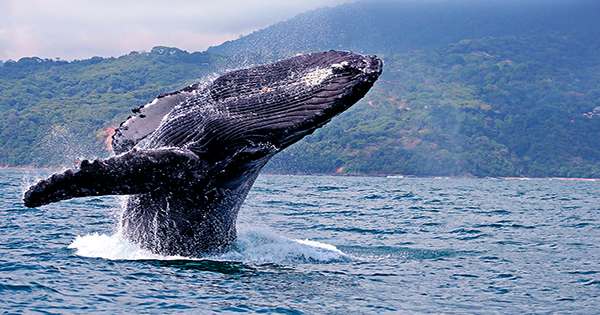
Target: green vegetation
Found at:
x=494, y=89
x=55, y=111
x=486, y=107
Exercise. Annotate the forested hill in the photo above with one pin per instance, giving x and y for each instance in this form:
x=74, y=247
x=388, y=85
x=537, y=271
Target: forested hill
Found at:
x=488, y=88
x=56, y=111
x=397, y=26
x=469, y=87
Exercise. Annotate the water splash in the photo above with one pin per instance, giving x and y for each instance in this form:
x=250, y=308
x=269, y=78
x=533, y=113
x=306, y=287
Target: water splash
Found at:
x=113, y=247
x=63, y=147
x=254, y=246
x=257, y=245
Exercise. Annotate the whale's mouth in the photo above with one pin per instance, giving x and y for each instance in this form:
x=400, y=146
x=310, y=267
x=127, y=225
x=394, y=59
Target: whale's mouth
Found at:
x=341, y=85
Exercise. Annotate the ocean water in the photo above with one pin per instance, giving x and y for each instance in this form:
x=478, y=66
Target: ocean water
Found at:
x=311, y=244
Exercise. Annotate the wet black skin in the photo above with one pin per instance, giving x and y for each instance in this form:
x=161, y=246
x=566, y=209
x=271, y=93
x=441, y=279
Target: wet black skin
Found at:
x=188, y=178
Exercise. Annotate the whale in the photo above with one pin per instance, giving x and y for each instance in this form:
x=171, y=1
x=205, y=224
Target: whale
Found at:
x=187, y=160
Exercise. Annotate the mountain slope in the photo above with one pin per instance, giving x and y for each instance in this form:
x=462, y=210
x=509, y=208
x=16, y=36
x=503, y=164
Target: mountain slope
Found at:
x=488, y=88
x=56, y=111
x=393, y=26
x=474, y=107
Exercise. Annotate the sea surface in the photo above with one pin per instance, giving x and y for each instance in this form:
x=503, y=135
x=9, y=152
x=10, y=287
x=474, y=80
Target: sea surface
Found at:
x=314, y=244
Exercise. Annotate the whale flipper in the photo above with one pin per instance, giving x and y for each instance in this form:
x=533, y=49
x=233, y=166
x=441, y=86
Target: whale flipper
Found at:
x=135, y=172
x=146, y=119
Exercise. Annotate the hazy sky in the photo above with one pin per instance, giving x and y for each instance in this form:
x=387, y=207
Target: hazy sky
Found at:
x=83, y=28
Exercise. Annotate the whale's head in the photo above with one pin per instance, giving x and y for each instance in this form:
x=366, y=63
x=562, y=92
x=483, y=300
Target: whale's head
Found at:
x=280, y=103
x=326, y=85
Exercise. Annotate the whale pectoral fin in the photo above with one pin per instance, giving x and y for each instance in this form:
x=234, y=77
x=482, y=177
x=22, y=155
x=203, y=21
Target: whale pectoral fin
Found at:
x=134, y=172
x=146, y=119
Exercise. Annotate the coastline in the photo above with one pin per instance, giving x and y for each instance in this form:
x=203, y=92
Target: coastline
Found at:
x=389, y=176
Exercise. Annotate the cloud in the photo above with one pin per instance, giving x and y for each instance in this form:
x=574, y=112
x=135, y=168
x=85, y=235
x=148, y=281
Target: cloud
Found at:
x=84, y=28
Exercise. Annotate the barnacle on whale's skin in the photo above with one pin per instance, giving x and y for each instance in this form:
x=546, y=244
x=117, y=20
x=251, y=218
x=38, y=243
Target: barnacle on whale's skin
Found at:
x=189, y=158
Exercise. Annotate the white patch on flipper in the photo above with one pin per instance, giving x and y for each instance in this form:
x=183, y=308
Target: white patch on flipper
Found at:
x=150, y=116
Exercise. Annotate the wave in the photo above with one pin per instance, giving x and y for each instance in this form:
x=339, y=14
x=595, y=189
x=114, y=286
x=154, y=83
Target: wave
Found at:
x=253, y=246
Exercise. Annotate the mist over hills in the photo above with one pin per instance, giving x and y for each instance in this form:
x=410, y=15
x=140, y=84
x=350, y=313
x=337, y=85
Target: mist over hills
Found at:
x=393, y=26
x=487, y=88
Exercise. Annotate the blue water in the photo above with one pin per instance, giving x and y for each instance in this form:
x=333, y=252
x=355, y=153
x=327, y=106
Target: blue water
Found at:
x=321, y=244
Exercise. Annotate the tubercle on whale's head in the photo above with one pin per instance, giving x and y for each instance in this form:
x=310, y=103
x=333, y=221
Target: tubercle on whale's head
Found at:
x=340, y=81
x=366, y=68
x=363, y=72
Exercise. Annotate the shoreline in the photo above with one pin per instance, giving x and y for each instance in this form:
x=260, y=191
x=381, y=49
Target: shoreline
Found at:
x=389, y=176
x=574, y=179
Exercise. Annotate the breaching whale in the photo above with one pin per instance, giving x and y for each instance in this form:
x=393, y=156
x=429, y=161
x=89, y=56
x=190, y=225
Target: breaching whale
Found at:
x=188, y=159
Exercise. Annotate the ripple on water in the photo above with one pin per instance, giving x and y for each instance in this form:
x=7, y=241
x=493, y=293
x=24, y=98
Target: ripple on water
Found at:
x=330, y=188
x=406, y=253
x=372, y=197
x=406, y=196
x=447, y=245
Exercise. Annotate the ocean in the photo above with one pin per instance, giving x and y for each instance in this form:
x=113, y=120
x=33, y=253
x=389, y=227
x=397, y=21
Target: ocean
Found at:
x=320, y=244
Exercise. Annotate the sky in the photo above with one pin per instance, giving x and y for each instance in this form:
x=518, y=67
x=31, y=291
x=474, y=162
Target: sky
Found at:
x=77, y=29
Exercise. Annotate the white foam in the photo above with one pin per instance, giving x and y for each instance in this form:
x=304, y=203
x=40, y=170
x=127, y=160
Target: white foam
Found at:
x=263, y=246
x=256, y=246
x=113, y=247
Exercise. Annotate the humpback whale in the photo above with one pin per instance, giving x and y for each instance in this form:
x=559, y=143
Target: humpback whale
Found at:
x=188, y=159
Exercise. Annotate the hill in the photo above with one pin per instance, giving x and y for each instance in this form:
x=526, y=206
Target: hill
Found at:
x=397, y=26
x=487, y=88
x=55, y=111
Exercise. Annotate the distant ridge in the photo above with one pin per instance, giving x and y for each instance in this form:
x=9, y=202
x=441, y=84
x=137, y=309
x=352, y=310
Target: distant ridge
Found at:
x=392, y=26
x=468, y=74
x=483, y=88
